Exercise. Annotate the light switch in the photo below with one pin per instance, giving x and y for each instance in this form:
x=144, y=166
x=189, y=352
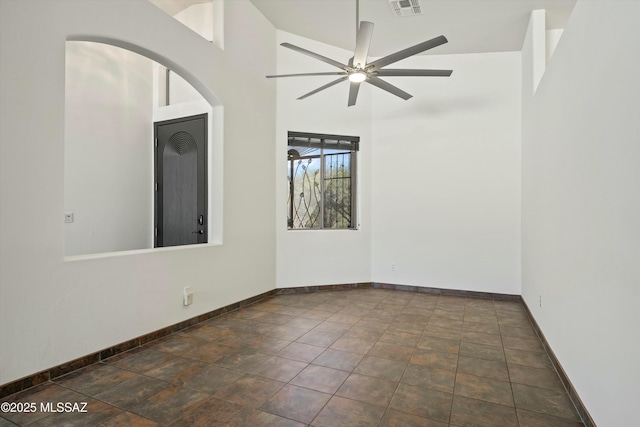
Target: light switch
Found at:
x=68, y=217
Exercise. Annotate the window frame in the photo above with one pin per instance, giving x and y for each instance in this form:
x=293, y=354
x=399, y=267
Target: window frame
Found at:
x=322, y=142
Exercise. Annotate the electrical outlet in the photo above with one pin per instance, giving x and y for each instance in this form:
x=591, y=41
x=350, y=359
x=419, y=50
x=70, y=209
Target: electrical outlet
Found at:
x=540, y=300
x=393, y=267
x=187, y=296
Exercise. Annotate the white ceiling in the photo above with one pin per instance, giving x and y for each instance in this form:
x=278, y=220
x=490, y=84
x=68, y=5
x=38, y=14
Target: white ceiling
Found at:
x=471, y=26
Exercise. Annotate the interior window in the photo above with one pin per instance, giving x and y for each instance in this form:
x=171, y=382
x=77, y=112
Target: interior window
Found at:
x=111, y=157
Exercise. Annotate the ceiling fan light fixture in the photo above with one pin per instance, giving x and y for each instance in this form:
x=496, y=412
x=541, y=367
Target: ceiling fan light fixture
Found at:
x=359, y=70
x=358, y=76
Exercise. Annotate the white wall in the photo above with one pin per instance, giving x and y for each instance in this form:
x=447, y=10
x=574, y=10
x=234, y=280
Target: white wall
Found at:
x=205, y=18
x=51, y=310
x=108, y=175
x=446, y=176
x=581, y=207
x=439, y=175
x=320, y=257
x=551, y=42
x=202, y=18
x=198, y=17
x=180, y=91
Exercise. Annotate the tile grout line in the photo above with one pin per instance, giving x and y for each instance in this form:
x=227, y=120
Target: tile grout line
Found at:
x=455, y=374
x=572, y=393
x=87, y=396
x=554, y=370
x=309, y=364
x=355, y=367
x=504, y=352
x=401, y=376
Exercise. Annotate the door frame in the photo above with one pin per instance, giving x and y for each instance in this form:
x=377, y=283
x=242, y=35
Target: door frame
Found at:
x=157, y=186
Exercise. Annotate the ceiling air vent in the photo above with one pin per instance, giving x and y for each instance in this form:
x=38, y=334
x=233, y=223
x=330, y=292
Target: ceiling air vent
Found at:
x=405, y=7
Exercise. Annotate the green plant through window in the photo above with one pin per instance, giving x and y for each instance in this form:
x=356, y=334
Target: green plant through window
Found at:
x=322, y=171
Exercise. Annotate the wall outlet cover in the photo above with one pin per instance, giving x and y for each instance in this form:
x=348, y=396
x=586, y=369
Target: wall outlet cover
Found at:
x=187, y=296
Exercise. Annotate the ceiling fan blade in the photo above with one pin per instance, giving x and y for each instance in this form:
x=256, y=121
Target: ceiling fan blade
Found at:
x=405, y=53
x=314, y=55
x=331, y=73
x=328, y=85
x=363, y=40
x=407, y=72
x=388, y=87
x=353, y=93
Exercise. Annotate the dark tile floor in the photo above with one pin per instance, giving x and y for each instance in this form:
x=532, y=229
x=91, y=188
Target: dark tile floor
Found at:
x=364, y=357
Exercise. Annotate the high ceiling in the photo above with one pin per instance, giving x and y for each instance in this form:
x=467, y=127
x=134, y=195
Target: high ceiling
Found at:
x=471, y=26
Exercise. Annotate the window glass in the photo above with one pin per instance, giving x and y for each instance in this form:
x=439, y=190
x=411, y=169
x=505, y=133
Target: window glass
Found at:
x=321, y=181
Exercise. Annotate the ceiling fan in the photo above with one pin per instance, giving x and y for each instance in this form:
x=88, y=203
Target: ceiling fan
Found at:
x=358, y=70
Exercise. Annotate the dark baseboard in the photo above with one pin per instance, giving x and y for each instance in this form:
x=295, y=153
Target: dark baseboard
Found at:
x=449, y=292
x=320, y=288
x=65, y=368
x=406, y=288
x=571, y=391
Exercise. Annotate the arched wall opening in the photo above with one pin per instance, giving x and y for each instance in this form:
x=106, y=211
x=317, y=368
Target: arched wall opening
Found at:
x=114, y=93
